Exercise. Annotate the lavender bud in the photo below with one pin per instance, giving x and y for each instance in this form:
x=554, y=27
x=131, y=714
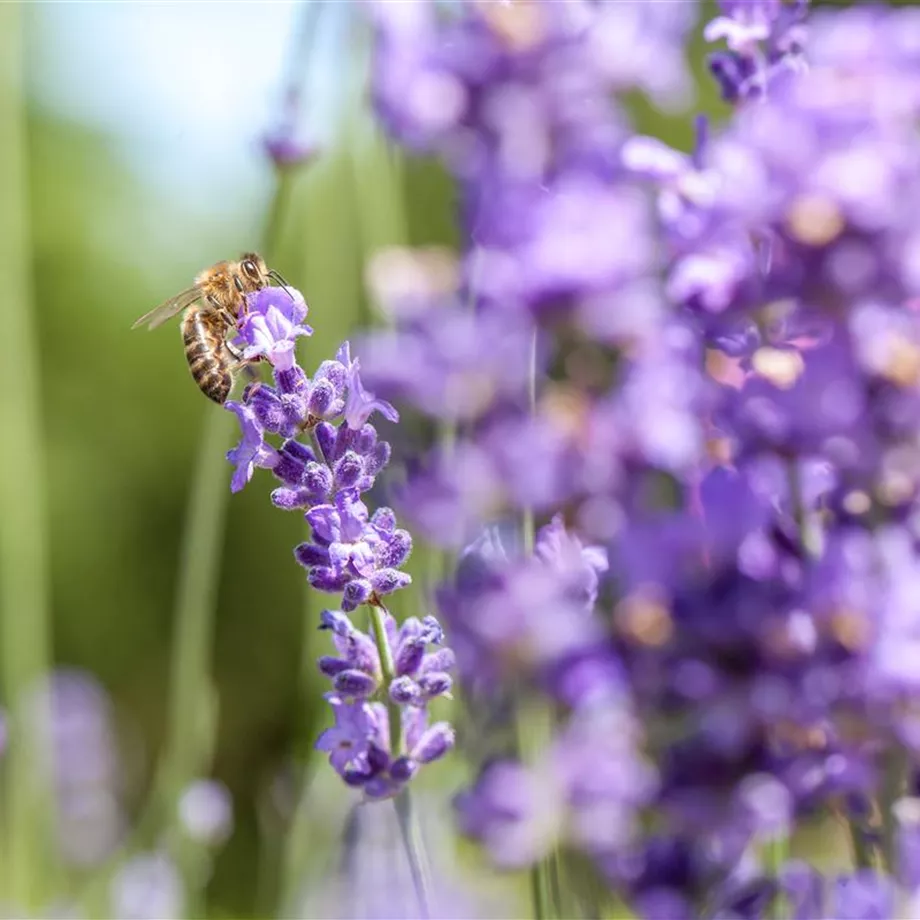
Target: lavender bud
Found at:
x=366, y=439
x=348, y=470
x=325, y=437
x=435, y=683
x=292, y=460
x=441, y=660
x=326, y=579
x=285, y=151
x=405, y=691
x=397, y=550
x=317, y=478
x=386, y=581
x=268, y=409
x=295, y=409
x=434, y=743
x=377, y=758
x=410, y=629
x=356, y=593
x=333, y=372
x=409, y=656
x=403, y=769
x=292, y=382
x=432, y=632
x=344, y=440
x=384, y=520
x=381, y=787
x=310, y=555
x=363, y=654
x=354, y=778
x=322, y=395
x=291, y=499
x=331, y=666
x=379, y=458
x=354, y=683
x=336, y=621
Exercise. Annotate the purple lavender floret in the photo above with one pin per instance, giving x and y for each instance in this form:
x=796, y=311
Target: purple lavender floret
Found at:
x=359, y=743
x=360, y=403
x=252, y=451
x=765, y=40
x=271, y=324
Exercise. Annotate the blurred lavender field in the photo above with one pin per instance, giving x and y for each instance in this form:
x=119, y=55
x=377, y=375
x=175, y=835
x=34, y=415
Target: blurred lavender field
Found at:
x=563, y=559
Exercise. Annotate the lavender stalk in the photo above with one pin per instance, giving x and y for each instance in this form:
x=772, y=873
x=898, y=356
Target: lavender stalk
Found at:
x=382, y=682
x=24, y=628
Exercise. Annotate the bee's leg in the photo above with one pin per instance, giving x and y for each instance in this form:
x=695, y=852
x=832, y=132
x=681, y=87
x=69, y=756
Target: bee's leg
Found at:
x=234, y=351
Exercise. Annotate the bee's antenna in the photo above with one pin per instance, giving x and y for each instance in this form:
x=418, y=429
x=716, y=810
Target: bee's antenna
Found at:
x=276, y=276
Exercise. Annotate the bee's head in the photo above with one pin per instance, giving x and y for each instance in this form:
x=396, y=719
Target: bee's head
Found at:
x=253, y=269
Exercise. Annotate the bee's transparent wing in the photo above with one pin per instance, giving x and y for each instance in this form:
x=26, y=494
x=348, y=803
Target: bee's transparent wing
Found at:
x=158, y=315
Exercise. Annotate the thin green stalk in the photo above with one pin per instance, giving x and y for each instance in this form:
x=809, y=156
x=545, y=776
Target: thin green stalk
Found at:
x=528, y=525
x=862, y=851
x=377, y=167
x=806, y=524
x=192, y=709
x=894, y=780
x=411, y=836
x=775, y=856
x=388, y=671
x=534, y=731
x=24, y=621
x=534, y=724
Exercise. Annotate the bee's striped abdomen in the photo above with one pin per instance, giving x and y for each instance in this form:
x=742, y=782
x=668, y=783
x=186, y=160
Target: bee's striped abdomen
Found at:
x=208, y=358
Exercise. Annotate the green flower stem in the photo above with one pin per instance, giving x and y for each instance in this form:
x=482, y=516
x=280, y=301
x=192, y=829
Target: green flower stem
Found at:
x=895, y=769
x=25, y=799
x=862, y=851
x=411, y=835
x=535, y=722
x=388, y=671
x=528, y=524
x=806, y=524
x=775, y=856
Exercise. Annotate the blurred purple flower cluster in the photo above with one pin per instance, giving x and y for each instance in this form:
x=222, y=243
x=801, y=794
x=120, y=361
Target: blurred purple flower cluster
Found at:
x=77, y=741
x=701, y=372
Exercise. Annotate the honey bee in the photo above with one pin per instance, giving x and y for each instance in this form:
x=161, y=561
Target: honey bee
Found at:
x=213, y=306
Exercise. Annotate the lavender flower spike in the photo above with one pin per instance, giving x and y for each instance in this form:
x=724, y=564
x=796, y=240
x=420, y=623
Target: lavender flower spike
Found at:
x=383, y=682
x=369, y=691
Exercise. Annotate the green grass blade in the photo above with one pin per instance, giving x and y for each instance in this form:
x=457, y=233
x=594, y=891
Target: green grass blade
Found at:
x=24, y=621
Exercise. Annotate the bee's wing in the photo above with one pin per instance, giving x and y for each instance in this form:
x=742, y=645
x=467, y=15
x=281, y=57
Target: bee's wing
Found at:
x=158, y=315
